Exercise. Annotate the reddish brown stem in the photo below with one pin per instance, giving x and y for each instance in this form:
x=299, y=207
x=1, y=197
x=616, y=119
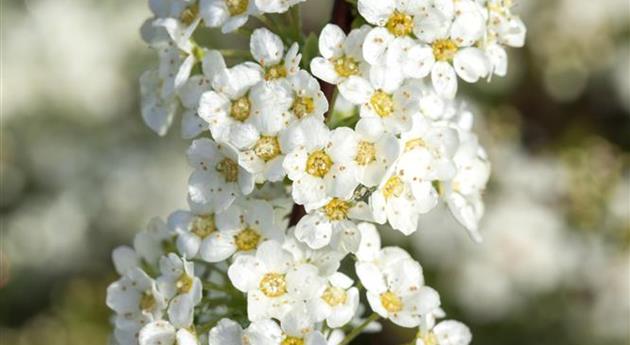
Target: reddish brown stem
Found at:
x=341, y=16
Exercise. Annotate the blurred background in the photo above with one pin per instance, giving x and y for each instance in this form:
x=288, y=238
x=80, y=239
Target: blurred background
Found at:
x=81, y=174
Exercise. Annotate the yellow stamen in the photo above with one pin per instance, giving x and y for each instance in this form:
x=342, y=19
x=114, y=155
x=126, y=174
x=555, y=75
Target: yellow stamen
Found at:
x=318, y=163
x=273, y=285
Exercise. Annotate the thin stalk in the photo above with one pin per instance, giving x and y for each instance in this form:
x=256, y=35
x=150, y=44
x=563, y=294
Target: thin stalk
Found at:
x=235, y=53
x=355, y=332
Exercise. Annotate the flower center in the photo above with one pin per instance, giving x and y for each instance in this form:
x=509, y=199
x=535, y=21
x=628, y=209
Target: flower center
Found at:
x=318, y=163
x=393, y=187
x=429, y=338
x=236, y=7
x=334, y=296
x=247, y=239
x=337, y=209
x=229, y=169
x=273, y=285
x=189, y=14
x=203, y=226
x=147, y=301
x=383, y=103
x=391, y=302
x=400, y=24
x=414, y=144
x=366, y=153
x=276, y=72
x=346, y=66
x=303, y=106
x=444, y=50
x=240, y=109
x=267, y=148
x=184, y=283
x=292, y=341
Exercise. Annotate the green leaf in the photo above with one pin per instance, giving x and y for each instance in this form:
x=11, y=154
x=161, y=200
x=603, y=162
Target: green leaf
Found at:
x=309, y=51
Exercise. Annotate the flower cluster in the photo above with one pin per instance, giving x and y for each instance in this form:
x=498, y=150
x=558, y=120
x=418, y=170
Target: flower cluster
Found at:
x=241, y=266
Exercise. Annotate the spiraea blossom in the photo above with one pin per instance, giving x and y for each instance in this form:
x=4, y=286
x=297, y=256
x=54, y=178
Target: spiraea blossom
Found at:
x=287, y=181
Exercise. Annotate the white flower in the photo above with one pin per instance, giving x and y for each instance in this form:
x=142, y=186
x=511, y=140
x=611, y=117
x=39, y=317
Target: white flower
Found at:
x=228, y=14
x=308, y=98
x=452, y=31
x=327, y=259
x=342, y=56
x=339, y=301
x=331, y=224
x=136, y=300
x=272, y=283
x=174, y=19
x=229, y=105
x=190, y=93
x=262, y=332
x=400, y=202
x=392, y=43
x=320, y=164
x=125, y=259
x=158, y=88
x=375, y=150
x=447, y=332
x=218, y=179
x=157, y=111
x=276, y=6
x=464, y=192
x=407, y=190
x=156, y=240
x=268, y=50
x=179, y=284
x=428, y=150
x=163, y=333
x=381, y=97
x=297, y=328
x=261, y=149
x=175, y=66
x=504, y=29
x=241, y=228
x=395, y=289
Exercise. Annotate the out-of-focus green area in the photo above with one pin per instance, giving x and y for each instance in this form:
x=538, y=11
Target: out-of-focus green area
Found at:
x=80, y=174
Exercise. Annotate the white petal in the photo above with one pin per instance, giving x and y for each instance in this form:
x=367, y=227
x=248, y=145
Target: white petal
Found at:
x=356, y=90
x=266, y=47
x=213, y=12
x=324, y=70
x=304, y=282
x=471, y=64
x=226, y=332
x=452, y=333
x=245, y=273
x=217, y=247
x=124, y=258
x=212, y=64
x=371, y=277
x=375, y=45
x=444, y=79
x=331, y=41
x=314, y=230
x=274, y=257
x=376, y=12
x=157, y=333
x=180, y=311
x=192, y=125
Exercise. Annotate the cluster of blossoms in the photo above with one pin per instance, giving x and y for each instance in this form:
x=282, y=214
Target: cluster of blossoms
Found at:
x=239, y=267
